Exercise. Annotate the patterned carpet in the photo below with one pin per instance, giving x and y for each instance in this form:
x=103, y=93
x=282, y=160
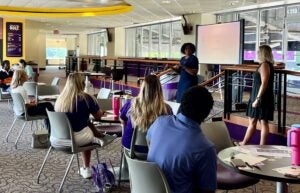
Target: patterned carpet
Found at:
x=19, y=167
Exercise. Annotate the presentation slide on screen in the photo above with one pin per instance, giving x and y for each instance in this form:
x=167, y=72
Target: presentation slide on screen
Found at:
x=219, y=43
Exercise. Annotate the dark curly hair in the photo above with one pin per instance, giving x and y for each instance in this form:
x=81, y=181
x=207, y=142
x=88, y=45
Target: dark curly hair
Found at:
x=185, y=45
x=196, y=103
x=22, y=61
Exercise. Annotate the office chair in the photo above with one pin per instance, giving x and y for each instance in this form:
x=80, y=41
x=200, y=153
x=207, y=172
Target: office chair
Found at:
x=20, y=112
x=146, y=177
x=217, y=133
x=55, y=81
x=62, y=129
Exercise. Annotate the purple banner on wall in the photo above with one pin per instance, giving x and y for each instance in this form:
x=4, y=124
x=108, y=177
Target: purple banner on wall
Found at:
x=14, y=39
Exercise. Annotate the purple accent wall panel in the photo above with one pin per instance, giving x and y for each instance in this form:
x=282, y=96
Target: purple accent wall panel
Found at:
x=237, y=132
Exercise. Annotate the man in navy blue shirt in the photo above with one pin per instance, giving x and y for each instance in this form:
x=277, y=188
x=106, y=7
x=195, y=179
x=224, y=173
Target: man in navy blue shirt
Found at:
x=178, y=146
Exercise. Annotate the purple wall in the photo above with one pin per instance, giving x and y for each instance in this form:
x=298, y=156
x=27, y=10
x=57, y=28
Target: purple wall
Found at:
x=237, y=132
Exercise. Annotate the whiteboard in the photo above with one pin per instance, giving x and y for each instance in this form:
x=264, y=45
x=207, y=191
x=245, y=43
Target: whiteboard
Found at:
x=220, y=43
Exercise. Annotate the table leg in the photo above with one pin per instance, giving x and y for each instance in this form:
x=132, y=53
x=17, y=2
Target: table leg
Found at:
x=281, y=187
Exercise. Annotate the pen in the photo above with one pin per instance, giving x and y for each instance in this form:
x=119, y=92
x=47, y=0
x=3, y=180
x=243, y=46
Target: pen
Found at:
x=291, y=175
x=252, y=166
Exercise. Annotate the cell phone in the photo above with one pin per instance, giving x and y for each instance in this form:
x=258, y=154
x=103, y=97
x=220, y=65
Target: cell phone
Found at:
x=238, y=163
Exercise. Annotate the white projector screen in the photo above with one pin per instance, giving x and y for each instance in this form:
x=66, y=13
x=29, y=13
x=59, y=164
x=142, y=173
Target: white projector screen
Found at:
x=220, y=43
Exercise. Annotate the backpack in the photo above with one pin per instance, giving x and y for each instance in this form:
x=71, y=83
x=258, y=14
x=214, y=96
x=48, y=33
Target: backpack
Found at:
x=103, y=179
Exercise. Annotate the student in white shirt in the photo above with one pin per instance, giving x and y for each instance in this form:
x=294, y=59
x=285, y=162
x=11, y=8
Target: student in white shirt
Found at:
x=33, y=108
x=28, y=69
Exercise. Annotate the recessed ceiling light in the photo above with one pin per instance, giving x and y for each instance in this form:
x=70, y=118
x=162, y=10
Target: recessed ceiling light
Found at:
x=165, y=1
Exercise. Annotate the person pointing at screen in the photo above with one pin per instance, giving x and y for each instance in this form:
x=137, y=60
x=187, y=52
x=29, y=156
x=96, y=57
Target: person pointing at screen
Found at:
x=188, y=69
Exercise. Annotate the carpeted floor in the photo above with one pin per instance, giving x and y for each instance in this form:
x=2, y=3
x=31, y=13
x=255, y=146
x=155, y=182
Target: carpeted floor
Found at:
x=19, y=167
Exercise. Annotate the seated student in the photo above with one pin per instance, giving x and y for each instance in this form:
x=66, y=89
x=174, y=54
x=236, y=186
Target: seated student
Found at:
x=143, y=110
x=5, y=73
x=178, y=146
x=78, y=106
x=33, y=108
x=27, y=68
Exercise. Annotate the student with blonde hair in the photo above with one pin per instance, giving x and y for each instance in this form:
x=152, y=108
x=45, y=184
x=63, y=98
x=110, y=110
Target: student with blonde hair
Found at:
x=33, y=108
x=261, y=102
x=78, y=106
x=142, y=111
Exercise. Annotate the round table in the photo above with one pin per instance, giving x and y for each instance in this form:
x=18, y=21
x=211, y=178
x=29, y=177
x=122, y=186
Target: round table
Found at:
x=265, y=170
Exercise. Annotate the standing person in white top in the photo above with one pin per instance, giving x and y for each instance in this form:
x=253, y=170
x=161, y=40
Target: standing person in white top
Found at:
x=33, y=108
x=28, y=69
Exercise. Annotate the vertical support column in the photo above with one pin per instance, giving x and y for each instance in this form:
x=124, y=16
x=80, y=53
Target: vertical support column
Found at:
x=125, y=70
x=226, y=93
x=284, y=102
x=279, y=102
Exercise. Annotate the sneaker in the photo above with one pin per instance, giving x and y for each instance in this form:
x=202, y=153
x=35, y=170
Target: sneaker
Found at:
x=86, y=172
x=98, y=141
x=237, y=143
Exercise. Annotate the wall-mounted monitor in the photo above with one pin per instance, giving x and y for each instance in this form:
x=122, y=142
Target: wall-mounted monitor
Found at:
x=220, y=43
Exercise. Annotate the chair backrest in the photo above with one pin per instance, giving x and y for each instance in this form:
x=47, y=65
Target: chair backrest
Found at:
x=4, y=94
x=105, y=104
x=138, y=138
x=103, y=93
x=106, y=70
x=60, y=126
x=33, y=77
x=30, y=88
x=55, y=81
x=18, y=104
x=217, y=133
x=47, y=90
x=117, y=74
x=146, y=177
x=174, y=106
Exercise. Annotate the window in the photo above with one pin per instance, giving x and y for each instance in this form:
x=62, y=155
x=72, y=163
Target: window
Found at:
x=161, y=40
x=56, y=53
x=271, y=30
x=145, y=41
x=250, y=34
x=97, y=44
x=154, y=48
x=165, y=40
x=130, y=42
x=176, y=40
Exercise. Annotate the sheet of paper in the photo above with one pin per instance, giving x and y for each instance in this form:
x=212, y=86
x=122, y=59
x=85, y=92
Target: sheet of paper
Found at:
x=293, y=170
x=45, y=97
x=251, y=159
x=272, y=152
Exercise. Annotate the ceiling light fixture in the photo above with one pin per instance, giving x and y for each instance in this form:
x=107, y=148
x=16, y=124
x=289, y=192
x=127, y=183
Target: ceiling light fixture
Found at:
x=165, y=1
x=65, y=12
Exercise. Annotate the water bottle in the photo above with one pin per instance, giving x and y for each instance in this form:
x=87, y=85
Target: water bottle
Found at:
x=88, y=88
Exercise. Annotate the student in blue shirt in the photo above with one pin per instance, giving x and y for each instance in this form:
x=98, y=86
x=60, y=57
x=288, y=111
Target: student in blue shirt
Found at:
x=178, y=146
